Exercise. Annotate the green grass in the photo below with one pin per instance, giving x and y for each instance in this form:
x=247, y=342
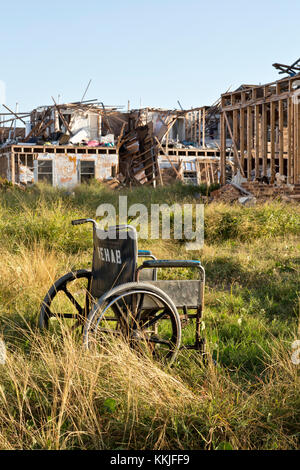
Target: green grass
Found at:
x=53, y=395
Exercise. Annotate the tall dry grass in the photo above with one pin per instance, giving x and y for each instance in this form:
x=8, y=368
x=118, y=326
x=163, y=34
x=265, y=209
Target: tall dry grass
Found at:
x=58, y=396
x=55, y=395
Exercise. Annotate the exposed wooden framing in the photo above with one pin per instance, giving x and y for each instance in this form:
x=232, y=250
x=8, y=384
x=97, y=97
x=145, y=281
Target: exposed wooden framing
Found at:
x=137, y=160
x=203, y=128
x=146, y=167
x=170, y=125
x=235, y=126
x=159, y=174
x=290, y=141
x=106, y=117
x=271, y=131
x=195, y=124
x=167, y=156
x=272, y=137
x=45, y=126
x=120, y=136
x=280, y=130
x=257, y=117
x=223, y=149
x=14, y=118
x=167, y=142
x=268, y=99
x=36, y=130
x=295, y=109
x=198, y=170
x=264, y=139
x=212, y=172
x=12, y=168
x=242, y=136
x=199, y=127
x=297, y=142
x=17, y=116
x=237, y=158
x=294, y=161
x=249, y=142
x=62, y=117
x=33, y=130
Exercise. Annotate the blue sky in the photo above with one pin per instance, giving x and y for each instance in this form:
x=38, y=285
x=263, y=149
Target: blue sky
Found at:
x=152, y=53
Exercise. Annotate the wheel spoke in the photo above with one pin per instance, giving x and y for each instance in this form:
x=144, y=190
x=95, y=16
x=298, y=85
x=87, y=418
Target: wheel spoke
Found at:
x=153, y=320
x=74, y=301
x=77, y=324
x=118, y=310
x=64, y=315
x=108, y=331
x=64, y=299
x=139, y=306
x=153, y=339
x=125, y=311
x=160, y=341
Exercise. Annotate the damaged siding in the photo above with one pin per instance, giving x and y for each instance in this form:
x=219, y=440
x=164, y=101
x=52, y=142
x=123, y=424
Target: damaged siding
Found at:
x=65, y=166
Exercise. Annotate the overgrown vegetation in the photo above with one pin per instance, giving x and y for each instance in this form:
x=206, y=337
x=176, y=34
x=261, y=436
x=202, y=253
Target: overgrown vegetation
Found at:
x=55, y=396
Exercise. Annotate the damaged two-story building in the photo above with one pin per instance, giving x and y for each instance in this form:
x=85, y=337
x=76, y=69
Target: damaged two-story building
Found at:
x=68, y=144
x=63, y=145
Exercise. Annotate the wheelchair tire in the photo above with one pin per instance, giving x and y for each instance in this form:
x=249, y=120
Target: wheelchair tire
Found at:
x=142, y=314
x=75, y=304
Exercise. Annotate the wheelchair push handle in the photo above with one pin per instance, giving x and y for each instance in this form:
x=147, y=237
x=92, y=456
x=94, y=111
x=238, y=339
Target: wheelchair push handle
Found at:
x=82, y=221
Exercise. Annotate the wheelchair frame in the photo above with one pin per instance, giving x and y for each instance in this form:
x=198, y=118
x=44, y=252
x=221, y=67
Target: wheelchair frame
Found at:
x=167, y=296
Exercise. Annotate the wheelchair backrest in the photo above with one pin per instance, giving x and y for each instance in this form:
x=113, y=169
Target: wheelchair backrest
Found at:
x=114, y=258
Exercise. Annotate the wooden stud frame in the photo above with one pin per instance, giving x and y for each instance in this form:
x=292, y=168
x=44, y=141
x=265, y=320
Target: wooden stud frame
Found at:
x=265, y=123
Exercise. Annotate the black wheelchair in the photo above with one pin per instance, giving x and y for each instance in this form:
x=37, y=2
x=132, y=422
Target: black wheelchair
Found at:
x=121, y=297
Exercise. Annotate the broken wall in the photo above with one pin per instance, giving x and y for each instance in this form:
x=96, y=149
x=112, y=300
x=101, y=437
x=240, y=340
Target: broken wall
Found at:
x=65, y=169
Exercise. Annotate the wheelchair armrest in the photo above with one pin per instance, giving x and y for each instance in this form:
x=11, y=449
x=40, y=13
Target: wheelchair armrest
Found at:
x=83, y=221
x=166, y=263
x=142, y=253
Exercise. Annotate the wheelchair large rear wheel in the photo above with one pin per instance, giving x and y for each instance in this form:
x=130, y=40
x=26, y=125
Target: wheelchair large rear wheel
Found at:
x=67, y=302
x=142, y=315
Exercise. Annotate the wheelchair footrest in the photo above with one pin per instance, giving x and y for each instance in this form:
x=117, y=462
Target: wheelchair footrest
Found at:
x=198, y=346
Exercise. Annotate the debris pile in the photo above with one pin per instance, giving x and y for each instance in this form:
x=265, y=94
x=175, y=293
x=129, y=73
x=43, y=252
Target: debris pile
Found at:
x=285, y=192
x=87, y=123
x=232, y=192
x=138, y=156
x=82, y=123
x=227, y=194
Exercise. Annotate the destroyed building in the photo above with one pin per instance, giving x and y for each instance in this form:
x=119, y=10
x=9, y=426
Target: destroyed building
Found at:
x=67, y=144
x=263, y=122
x=63, y=145
x=161, y=146
x=250, y=136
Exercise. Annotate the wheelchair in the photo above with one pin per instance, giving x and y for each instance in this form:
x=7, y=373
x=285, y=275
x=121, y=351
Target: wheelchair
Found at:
x=121, y=296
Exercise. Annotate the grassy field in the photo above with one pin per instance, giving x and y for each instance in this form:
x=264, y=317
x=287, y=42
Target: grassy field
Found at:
x=54, y=395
